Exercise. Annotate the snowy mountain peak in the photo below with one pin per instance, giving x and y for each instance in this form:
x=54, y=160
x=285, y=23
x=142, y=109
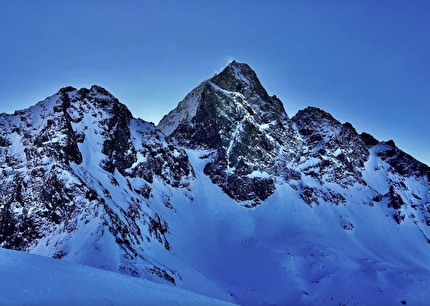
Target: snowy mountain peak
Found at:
x=232, y=115
x=78, y=167
x=237, y=88
x=67, y=89
x=239, y=77
x=84, y=181
x=255, y=144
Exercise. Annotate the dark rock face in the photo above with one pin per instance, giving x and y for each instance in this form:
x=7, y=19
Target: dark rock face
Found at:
x=11, y=225
x=156, y=157
x=117, y=147
x=55, y=138
x=340, y=151
x=402, y=163
x=395, y=200
x=232, y=115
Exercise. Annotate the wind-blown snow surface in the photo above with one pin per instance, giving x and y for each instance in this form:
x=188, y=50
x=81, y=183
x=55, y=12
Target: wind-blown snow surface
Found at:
x=27, y=279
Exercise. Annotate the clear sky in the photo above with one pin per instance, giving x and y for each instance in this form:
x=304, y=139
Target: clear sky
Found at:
x=364, y=61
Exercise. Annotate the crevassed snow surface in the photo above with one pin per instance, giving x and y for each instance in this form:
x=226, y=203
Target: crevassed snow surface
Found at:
x=28, y=279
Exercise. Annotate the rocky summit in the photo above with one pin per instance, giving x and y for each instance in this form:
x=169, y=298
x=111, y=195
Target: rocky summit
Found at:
x=250, y=137
x=228, y=196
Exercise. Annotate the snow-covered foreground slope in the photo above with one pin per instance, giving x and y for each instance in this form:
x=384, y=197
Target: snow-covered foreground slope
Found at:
x=28, y=279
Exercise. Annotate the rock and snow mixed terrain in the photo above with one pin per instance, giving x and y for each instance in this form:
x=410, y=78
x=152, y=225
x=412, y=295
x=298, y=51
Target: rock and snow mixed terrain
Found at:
x=227, y=197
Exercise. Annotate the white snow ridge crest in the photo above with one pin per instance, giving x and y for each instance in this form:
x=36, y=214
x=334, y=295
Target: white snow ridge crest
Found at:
x=227, y=198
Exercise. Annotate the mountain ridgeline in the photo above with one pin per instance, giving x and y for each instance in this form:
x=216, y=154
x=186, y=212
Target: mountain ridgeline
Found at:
x=254, y=143
x=85, y=181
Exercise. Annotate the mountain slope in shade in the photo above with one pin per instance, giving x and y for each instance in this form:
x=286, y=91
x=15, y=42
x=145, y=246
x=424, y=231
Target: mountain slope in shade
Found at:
x=228, y=197
x=36, y=280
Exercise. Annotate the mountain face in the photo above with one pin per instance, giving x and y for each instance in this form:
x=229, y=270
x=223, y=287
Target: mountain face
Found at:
x=253, y=144
x=249, y=135
x=76, y=172
x=227, y=197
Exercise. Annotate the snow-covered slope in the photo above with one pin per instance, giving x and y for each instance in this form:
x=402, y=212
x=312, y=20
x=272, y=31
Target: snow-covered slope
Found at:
x=28, y=279
x=285, y=251
x=228, y=197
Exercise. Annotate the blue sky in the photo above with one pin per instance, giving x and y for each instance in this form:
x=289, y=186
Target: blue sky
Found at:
x=366, y=62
